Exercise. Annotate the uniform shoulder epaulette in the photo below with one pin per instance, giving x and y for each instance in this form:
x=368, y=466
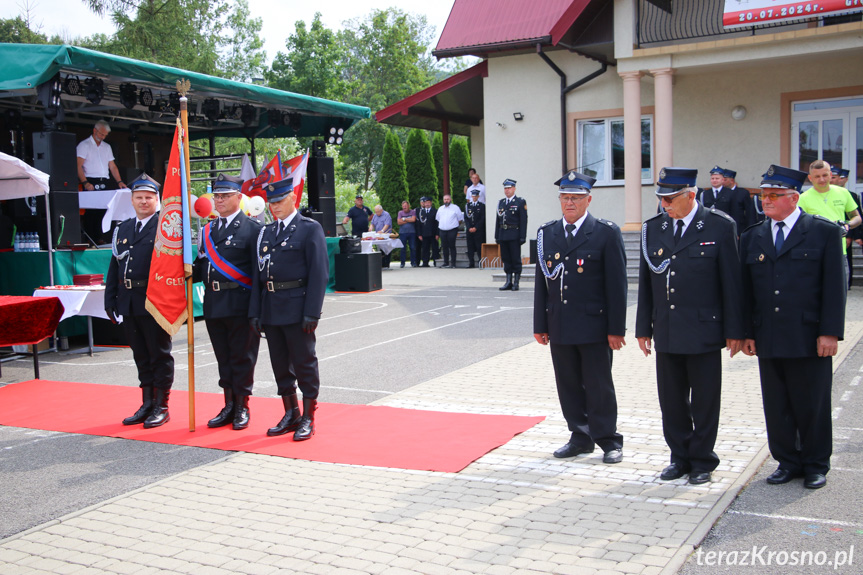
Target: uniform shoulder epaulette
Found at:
x=721, y=214
x=654, y=216
x=306, y=218
x=749, y=227
x=546, y=224
x=609, y=223
x=822, y=218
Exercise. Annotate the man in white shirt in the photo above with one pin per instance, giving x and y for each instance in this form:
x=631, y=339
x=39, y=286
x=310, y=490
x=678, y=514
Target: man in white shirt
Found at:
x=448, y=216
x=95, y=166
x=475, y=185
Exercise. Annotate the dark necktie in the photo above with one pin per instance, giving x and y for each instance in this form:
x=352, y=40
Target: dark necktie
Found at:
x=780, y=235
x=569, y=233
x=678, y=232
x=138, y=227
x=223, y=225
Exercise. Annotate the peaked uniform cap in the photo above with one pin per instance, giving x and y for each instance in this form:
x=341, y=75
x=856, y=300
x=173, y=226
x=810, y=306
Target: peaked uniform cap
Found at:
x=145, y=183
x=226, y=184
x=575, y=183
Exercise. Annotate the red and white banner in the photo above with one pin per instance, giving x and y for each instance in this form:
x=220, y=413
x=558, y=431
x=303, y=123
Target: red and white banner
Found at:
x=296, y=167
x=739, y=13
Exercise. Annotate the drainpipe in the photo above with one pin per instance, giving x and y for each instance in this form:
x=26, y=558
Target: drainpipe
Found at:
x=564, y=90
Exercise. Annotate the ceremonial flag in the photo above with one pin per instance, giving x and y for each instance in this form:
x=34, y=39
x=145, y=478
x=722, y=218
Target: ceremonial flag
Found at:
x=247, y=171
x=166, y=288
x=272, y=172
x=296, y=167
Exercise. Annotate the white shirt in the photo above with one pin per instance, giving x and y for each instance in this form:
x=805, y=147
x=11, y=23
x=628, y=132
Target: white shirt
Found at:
x=448, y=217
x=229, y=219
x=96, y=158
x=789, y=223
x=577, y=223
x=143, y=222
x=481, y=188
x=686, y=220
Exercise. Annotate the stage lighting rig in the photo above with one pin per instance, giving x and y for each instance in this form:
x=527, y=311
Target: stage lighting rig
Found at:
x=128, y=95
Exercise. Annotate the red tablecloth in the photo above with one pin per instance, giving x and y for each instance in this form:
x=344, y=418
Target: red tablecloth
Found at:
x=27, y=320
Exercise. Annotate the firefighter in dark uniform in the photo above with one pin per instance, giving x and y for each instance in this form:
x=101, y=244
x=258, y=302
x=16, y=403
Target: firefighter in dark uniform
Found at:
x=510, y=231
x=125, y=295
x=427, y=232
x=690, y=303
x=287, y=296
x=225, y=264
x=474, y=219
x=579, y=307
x=734, y=202
x=793, y=283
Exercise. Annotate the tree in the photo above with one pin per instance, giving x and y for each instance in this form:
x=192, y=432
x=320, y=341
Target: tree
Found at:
x=459, y=164
x=393, y=185
x=17, y=31
x=214, y=37
x=312, y=64
x=437, y=154
x=419, y=164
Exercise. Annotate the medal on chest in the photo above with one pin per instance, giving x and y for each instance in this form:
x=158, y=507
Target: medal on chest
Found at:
x=580, y=264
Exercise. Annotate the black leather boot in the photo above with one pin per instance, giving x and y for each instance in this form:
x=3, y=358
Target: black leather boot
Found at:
x=144, y=411
x=291, y=420
x=227, y=414
x=507, y=285
x=241, y=413
x=159, y=415
x=306, y=428
x=515, y=278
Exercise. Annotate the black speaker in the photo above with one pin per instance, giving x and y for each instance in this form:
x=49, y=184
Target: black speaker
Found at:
x=327, y=207
x=65, y=220
x=320, y=178
x=358, y=272
x=54, y=153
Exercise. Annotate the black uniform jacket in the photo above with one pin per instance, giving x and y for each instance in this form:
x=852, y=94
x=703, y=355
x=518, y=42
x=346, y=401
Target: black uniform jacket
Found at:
x=237, y=247
x=474, y=217
x=696, y=303
x=511, y=223
x=134, y=266
x=299, y=254
x=586, y=306
x=734, y=202
x=798, y=294
x=427, y=223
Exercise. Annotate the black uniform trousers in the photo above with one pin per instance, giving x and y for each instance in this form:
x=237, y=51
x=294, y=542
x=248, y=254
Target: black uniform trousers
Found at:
x=510, y=254
x=447, y=240
x=236, y=345
x=292, y=355
x=797, y=410
x=428, y=250
x=590, y=415
x=474, y=245
x=151, y=349
x=690, y=419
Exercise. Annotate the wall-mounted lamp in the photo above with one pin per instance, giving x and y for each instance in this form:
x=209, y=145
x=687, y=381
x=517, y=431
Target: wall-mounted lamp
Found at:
x=738, y=112
x=518, y=116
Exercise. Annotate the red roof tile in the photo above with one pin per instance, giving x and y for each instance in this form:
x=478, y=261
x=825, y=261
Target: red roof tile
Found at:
x=476, y=26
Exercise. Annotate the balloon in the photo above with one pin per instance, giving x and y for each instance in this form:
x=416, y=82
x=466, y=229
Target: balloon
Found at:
x=205, y=207
x=243, y=208
x=255, y=205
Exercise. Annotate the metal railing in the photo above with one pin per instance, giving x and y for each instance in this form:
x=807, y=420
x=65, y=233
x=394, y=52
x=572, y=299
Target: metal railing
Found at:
x=662, y=21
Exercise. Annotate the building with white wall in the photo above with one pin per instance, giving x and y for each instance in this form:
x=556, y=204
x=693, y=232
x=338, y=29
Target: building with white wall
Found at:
x=647, y=84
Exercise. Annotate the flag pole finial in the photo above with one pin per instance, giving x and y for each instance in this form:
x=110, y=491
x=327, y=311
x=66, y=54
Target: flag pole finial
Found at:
x=183, y=87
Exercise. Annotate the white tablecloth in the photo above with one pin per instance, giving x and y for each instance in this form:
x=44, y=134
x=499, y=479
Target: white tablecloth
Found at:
x=386, y=246
x=96, y=199
x=119, y=207
x=78, y=301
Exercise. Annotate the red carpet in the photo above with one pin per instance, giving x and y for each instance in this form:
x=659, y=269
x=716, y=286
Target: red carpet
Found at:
x=354, y=434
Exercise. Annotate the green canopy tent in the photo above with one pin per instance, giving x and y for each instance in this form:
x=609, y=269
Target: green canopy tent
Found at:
x=135, y=92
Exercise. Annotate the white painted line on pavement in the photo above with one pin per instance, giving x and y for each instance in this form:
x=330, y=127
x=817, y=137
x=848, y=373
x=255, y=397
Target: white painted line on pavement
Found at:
x=855, y=382
x=846, y=396
x=377, y=304
x=408, y=336
x=836, y=412
x=358, y=389
x=366, y=325
x=793, y=518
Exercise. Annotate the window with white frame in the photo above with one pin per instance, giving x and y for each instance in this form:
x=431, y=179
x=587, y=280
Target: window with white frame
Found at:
x=600, y=149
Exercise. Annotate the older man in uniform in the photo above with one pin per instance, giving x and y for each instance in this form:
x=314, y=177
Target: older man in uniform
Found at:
x=795, y=316
x=579, y=306
x=474, y=225
x=287, y=296
x=690, y=303
x=125, y=295
x=510, y=232
x=427, y=231
x=226, y=264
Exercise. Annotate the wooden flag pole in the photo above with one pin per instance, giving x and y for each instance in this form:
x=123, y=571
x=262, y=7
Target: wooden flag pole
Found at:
x=183, y=88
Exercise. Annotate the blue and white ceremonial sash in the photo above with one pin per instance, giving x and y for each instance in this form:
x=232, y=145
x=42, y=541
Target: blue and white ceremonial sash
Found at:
x=222, y=265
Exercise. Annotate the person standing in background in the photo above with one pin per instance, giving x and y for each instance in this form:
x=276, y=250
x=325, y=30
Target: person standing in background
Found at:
x=474, y=223
x=96, y=167
x=449, y=217
x=407, y=233
x=510, y=232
